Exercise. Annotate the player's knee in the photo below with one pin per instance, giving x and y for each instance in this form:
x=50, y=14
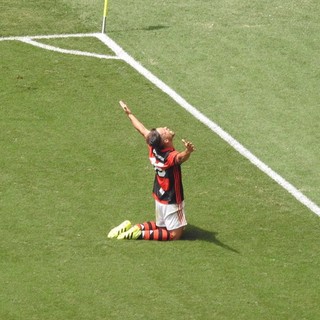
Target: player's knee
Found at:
x=176, y=234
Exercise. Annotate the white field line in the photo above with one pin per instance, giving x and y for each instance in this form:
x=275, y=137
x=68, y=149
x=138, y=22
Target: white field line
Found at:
x=121, y=54
x=52, y=36
x=30, y=40
x=74, y=52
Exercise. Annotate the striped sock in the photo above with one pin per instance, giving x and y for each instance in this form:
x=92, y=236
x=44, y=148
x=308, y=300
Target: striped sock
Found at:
x=161, y=234
x=149, y=225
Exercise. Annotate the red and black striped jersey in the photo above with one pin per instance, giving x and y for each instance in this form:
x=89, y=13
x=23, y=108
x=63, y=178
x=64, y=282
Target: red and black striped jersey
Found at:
x=167, y=187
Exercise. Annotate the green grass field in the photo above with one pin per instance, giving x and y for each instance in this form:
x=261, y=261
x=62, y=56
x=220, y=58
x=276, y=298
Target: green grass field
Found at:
x=72, y=166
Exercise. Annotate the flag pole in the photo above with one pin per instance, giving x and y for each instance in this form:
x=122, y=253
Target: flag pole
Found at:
x=104, y=19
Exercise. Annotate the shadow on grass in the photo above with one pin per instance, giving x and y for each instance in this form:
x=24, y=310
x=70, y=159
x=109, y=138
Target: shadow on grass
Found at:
x=148, y=28
x=193, y=233
x=158, y=27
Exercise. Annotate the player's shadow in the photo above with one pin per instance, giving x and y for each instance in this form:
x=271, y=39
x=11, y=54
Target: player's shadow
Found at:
x=193, y=233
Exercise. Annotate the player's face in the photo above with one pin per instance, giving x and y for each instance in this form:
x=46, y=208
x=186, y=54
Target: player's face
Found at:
x=166, y=133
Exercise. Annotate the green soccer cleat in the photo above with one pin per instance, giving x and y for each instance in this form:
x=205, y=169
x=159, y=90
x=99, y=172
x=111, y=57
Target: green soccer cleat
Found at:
x=124, y=226
x=132, y=234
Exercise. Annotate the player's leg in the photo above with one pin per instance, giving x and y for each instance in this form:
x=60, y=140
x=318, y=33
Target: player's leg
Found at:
x=176, y=234
x=170, y=222
x=148, y=225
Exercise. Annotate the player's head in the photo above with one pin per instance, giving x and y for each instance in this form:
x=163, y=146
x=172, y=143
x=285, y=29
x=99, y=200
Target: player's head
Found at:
x=160, y=138
x=166, y=135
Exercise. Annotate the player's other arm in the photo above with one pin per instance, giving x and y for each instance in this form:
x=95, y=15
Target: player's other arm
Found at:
x=135, y=122
x=185, y=155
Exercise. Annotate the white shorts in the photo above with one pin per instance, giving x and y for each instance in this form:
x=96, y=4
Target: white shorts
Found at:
x=170, y=216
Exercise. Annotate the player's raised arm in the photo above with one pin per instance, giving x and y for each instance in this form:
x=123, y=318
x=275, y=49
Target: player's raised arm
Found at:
x=135, y=122
x=185, y=155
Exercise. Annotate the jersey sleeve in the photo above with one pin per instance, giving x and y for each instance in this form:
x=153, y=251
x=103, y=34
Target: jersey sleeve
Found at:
x=170, y=161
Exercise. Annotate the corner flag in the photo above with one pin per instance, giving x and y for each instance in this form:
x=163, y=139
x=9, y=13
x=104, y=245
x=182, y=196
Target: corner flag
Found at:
x=105, y=11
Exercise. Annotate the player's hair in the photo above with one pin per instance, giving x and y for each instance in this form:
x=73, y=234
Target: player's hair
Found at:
x=154, y=139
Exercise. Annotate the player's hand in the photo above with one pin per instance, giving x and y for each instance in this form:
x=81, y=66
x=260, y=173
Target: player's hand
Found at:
x=124, y=107
x=189, y=145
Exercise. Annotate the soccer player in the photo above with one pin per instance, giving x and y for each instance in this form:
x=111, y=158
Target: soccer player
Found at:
x=167, y=189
